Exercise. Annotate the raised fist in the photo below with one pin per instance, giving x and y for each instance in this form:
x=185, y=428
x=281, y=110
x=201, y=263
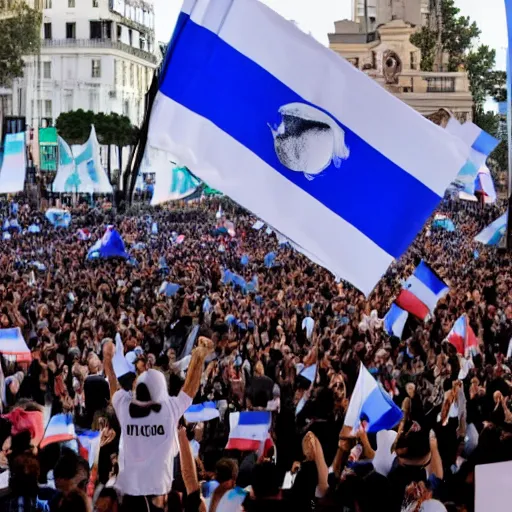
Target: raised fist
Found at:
x=204, y=346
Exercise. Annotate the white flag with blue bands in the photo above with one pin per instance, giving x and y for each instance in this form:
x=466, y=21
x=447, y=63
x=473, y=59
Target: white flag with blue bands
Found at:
x=300, y=137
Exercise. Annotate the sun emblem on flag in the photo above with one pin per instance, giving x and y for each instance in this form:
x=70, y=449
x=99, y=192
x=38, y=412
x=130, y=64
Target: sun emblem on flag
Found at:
x=308, y=140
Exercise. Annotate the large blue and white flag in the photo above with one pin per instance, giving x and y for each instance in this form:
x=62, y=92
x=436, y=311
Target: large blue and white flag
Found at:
x=299, y=137
x=14, y=164
x=370, y=403
x=493, y=233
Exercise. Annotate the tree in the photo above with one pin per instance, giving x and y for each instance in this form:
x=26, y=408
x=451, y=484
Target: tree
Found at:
x=458, y=34
x=75, y=126
x=482, y=77
x=122, y=135
x=454, y=39
x=111, y=129
x=105, y=129
x=19, y=36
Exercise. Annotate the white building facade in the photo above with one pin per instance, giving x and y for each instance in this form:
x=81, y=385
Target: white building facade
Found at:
x=384, y=11
x=96, y=55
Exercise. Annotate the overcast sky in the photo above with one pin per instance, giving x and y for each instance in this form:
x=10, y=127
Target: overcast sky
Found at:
x=318, y=17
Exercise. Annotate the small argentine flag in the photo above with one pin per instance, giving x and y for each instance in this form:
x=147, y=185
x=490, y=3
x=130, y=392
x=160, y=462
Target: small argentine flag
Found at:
x=494, y=232
x=480, y=145
x=60, y=429
x=201, y=412
x=370, y=403
x=248, y=430
x=90, y=442
x=13, y=344
x=326, y=156
x=394, y=321
x=421, y=292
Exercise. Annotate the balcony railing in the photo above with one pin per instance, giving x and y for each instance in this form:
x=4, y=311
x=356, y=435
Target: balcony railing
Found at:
x=441, y=84
x=99, y=43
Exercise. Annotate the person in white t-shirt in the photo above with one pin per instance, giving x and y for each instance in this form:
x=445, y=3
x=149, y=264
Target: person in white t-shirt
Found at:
x=149, y=419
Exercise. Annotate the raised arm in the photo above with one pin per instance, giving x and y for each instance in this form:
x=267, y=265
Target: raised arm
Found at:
x=109, y=350
x=195, y=369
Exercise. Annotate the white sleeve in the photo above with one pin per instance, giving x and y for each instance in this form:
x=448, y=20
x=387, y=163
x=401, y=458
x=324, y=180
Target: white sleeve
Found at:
x=179, y=404
x=121, y=401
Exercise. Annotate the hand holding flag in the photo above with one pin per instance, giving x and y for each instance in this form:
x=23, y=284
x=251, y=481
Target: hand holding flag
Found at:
x=370, y=403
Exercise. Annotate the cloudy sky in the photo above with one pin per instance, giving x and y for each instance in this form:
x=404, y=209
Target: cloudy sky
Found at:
x=318, y=17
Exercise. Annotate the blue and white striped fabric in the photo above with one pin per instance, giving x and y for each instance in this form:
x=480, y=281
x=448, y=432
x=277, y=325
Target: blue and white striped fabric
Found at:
x=201, y=412
x=443, y=222
x=371, y=170
x=394, y=321
x=169, y=289
x=58, y=218
x=484, y=184
x=60, y=429
x=269, y=259
x=370, y=403
x=309, y=373
x=90, y=440
x=493, y=233
x=480, y=145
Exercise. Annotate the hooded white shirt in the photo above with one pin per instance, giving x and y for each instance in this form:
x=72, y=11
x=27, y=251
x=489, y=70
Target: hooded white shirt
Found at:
x=147, y=445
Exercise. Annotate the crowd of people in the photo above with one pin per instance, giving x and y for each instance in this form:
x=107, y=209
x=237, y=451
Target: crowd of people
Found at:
x=250, y=352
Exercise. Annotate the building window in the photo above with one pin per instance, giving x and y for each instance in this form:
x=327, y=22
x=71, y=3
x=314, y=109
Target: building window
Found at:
x=68, y=101
x=69, y=68
x=116, y=78
x=47, y=30
x=95, y=29
x=95, y=3
x=47, y=4
x=414, y=61
x=48, y=108
x=47, y=70
x=130, y=37
x=119, y=32
x=96, y=68
x=124, y=73
x=71, y=4
x=70, y=30
x=126, y=108
x=132, y=75
x=94, y=100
